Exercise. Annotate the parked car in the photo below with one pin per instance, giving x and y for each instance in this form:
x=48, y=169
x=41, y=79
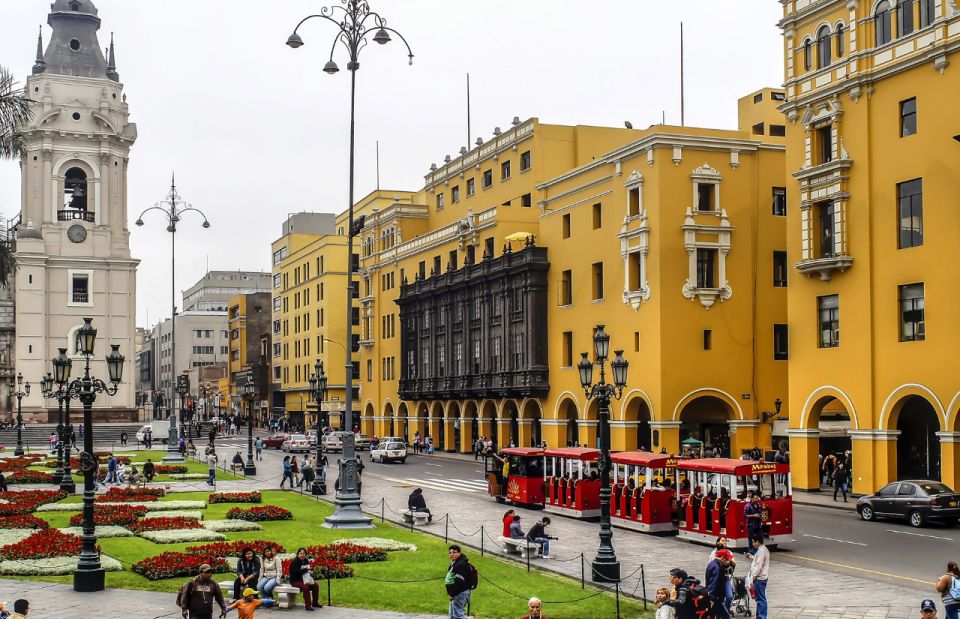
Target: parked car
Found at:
x=296, y=442
x=389, y=452
x=275, y=440
x=361, y=442
x=333, y=441
x=918, y=501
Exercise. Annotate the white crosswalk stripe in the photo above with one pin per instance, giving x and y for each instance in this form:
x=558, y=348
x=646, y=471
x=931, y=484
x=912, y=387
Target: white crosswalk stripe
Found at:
x=443, y=485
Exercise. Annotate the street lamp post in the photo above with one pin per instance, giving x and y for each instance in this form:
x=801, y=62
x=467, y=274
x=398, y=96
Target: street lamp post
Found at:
x=354, y=22
x=606, y=567
x=318, y=388
x=182, y=388
x=173, y=207
x=249, y=393
x=63, y=405
x=23, y=390
x=89, y=575
x=46, y=391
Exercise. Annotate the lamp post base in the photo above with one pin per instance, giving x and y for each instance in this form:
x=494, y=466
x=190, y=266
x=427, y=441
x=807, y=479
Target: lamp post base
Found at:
x=89, y=581
x=173, y=447
x=249, y=469
x=18, y=451
x=318, y=488
x=347, y=515
x=68, y=486
x=604, y=572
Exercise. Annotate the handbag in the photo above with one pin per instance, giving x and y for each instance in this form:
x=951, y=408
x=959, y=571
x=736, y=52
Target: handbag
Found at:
x=308, y=578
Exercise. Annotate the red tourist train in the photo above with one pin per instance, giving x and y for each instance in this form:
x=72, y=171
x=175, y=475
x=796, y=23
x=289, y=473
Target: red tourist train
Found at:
x=700, y=499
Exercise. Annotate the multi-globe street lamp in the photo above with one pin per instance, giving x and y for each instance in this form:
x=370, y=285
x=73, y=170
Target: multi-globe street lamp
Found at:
x=318, y=389
x=47, y=392
x=606, y=567
x=57, y=389
x=183, y=388
x=89, y=574
x=173, y=208
x=23, y=390
x=355, y=23
x=249, y=392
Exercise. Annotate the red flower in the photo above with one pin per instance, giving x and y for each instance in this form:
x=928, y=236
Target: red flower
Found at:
x=43, y=544
x=25, y=521
x=26, y=501
x=130, y=495
x=259, y=514
x=233, y=549
x=165, y=524
x=235, y=497
x=29, y=476
x=347, y=553
x=170, y=469
x=172, y=564
x=20, y=462
x=117, y=515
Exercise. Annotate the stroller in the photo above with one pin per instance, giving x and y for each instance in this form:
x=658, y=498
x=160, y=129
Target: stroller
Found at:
x=741, y=598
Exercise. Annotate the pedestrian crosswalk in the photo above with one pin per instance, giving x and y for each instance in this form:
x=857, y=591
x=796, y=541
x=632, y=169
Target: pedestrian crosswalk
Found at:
x=440, y=484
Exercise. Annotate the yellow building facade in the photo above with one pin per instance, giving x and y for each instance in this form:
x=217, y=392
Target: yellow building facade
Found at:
x=871, y=114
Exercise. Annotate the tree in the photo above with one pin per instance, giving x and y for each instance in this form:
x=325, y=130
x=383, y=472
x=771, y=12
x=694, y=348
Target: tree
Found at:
x=14, y=114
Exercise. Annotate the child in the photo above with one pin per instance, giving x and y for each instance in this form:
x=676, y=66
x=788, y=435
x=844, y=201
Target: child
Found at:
x=247, y=604
x=663, y=612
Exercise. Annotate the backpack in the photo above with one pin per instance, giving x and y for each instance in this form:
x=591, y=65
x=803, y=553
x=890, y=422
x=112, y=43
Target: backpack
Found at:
x=473, y=577
x=183, y=596
x=955, y=588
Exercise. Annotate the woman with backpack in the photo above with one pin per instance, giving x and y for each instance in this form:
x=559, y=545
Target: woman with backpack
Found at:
x=949, y=589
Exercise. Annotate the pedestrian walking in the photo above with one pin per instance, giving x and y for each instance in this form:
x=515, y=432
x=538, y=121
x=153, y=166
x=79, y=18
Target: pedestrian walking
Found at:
x=322, y=465
x=840, y=477
x=123, y=438
x=721, y=544
x=247, y=604
x=53, y=442
x=429, y=445
x=258, y=445
x=928, y=610
x=948, y=586
x=458, y=582
x=270, y=573
x=295, y=470
x=753, y=513
x=248, y=570
x=301, y=577
x=111, y=470
x=416, y=503
x=212, y=466
x=759, y=573
x=716, y=579
x=681, y=599
x=198, y=595
x=663, y=610
x=307, y=474
x=535, y=609
x=538, y=535
x=287, y=472
x=148, y=438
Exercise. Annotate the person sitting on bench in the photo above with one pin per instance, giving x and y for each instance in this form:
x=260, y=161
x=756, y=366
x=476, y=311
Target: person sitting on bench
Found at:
x=538, y=536
x=416, y=503
x=515, y=531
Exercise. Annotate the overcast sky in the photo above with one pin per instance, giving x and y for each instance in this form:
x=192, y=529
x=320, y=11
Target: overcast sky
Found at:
x=255, y=130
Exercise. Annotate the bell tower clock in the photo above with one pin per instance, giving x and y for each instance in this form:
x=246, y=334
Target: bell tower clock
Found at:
x=72, y=242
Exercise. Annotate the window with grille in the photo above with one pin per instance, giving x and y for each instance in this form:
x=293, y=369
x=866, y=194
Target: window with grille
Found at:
x=910, y=202
x=911, y=313
x=828, y=308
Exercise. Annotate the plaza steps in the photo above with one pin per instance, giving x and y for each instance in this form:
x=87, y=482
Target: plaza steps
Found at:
x=37, y=434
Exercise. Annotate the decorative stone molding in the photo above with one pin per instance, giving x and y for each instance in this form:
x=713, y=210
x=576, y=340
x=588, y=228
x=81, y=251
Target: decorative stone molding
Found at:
x=949, y=437
x=873, y=435
x=723, y=232
x=809, y=433
x=624, y=424
x=677, y=155
x=665, y=424
x=744, y=423
x=553, y=422
x=587, y=423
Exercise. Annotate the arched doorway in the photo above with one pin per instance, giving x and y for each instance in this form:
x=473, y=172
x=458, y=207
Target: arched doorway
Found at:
x=638, y=436
x=511, y=414
x=404, y=421
x=918, y=446
x=568, y=412
x=833, y=421
x=532, y=411
x=488, y=412
x=437, y=429
x=367, y=424
x=453, y=417
x=389, y=425
x=705, y=419
x=470, y=414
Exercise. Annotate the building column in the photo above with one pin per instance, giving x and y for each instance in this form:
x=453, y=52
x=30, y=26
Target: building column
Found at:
x=665, y=435
x=623, y=435
x=503, y=432
x=415, y=425
x=369, y=426
x=433, y=430
x=949, y=458
x=553, y=432
x=525, y=432
x=449, y=435
x=804, y=458
x=874, y=459
x=587, y=431
x=743, y=436
x=466, y=435
x=485, y=428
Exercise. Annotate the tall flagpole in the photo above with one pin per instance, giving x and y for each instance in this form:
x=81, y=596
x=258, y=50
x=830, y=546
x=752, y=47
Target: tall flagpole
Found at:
x=683, y=118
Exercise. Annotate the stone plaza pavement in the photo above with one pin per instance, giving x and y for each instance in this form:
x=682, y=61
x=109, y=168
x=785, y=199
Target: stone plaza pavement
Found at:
x=53, y=601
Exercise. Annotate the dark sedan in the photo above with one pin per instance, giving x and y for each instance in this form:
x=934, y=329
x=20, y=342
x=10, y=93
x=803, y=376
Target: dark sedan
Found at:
x=918, y=501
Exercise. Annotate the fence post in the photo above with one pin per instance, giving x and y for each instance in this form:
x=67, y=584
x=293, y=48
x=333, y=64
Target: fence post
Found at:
x=328, y=590
x=382, y=506
x=528, y=557
x=481, y=540
x=582, y=572
x=618, y=599
x=446, y=528
x=643, y=581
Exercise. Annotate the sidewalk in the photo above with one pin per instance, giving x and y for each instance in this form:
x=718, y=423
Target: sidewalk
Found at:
x=54, y=601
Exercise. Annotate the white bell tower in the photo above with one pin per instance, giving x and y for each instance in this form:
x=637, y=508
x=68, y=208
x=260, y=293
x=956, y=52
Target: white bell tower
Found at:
x=72, y=243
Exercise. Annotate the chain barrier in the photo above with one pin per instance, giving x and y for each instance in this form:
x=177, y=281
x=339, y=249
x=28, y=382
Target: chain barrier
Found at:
x=433, y=579
x=526, y=597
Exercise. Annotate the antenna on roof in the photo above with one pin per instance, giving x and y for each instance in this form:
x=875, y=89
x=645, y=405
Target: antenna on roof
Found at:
x=468, y=108
x=683, y=118
x=378, y=165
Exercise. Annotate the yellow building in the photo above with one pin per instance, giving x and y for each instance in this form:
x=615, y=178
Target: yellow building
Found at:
x=618, y=221
x=248, y=330
x=871, y=123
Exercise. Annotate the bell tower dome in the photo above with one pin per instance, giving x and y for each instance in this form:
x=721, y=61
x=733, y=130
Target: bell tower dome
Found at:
x=72, y=244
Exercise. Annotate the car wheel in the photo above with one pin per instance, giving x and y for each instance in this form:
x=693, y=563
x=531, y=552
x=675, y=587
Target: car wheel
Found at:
x=866, y=512
x=916, y=519
x=403, y=460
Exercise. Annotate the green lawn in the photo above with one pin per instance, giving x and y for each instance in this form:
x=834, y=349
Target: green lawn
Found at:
x=366, y=590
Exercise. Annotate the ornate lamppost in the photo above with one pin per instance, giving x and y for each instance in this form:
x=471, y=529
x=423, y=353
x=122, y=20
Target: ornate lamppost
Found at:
x=23, y=390
x=63, y=405
x=249, y=391
x=183, y=387
x=173, y=208
x=355, y=22
x=89, y=575
x=46, y=391
x=606, y=567
x=318, y=388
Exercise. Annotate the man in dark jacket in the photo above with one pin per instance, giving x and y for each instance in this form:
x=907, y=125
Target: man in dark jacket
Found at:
x=199, y=595
x=416, y=503
x=716, y=579
x=683, y=602
x=538, y=535
x=458, y=583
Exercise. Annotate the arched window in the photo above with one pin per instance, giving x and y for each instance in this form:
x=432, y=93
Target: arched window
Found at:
x=807, y=53
x=75, y=189
x=841, y=32
x=927, y=12
x=881, y=23
x=904, y=17
x=74, y=6
x=823, y=47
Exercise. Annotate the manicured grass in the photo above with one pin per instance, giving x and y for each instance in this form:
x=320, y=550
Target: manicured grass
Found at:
x=139, y=457
x=366, y=589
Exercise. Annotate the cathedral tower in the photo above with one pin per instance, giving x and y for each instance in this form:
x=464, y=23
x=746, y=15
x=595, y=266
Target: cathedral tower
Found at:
x=73, y=245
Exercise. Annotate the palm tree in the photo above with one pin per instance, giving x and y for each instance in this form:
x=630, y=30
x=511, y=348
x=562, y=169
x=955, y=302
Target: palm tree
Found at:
x=14, y=114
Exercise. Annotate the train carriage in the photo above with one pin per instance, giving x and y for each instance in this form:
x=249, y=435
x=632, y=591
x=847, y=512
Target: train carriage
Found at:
x=516, y=476
x=572, y=482
x=644, y=492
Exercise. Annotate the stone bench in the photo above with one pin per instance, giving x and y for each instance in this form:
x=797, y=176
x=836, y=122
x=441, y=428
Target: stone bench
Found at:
x=286, y=596
x=418, y=518
x=521, y=546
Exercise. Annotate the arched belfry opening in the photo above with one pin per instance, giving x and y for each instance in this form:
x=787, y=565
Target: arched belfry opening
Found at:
x=75, y=190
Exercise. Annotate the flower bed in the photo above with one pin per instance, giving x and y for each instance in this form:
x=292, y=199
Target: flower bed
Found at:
x=152, y=506
x=235, y=497
x=324, y=569
x=173, y=564
x=233, y=549
x=104, y=457
x=58, y=566
x=170, y=469
x=12, y=536
x=382, y=543
x=23, y=521
x=26, y=501
x=103, y=531
x=260, y=514
x=115, y=515
x=183, y=513
x=347, y=553
x=52, y=464
x=224, y=526
x=19, y=462
x=165, y=524
x=43, y=544
x=131, y=495
x=29, y=476
x=179, y=536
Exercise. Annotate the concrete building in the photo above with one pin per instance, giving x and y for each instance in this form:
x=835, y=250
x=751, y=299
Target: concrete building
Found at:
x=201, y=341
x=72, y=245
x=249, y=323
x=215, y=289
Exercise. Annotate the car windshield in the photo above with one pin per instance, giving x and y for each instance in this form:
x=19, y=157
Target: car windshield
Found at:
x=297, y=437
x=392, y=446
x=935, y=488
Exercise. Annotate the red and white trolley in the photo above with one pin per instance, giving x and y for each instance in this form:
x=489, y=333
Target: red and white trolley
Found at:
x=644, y=493
x=572, y=482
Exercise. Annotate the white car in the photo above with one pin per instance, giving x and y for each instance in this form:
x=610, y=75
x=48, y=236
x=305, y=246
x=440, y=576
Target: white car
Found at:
x=389, y=452
x=333, y=441
x=296, y=442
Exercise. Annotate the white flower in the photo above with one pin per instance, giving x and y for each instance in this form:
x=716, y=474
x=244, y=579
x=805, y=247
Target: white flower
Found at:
x=231, y=525
x=154, y=506
x=12, y=536
x=102, y=531
x=176, y=536
x=56, y=566
x=175, y=513
x=377, y=542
